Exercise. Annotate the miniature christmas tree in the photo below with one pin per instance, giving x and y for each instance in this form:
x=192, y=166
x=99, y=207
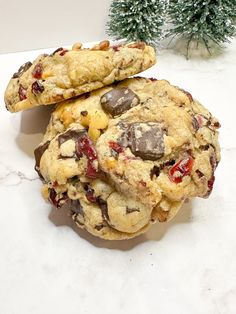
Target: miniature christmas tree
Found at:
x=135, y=20
x=206, y=22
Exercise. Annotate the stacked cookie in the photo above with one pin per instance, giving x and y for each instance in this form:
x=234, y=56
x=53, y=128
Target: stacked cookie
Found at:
x=125, y=153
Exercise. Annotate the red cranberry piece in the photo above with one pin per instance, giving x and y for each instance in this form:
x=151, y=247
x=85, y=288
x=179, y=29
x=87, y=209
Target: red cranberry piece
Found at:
x=181, y=169
x=210, y=185
x=22, y=92
x=92, y=172
x=37, y=71
x=37, y=88
x=55, y=200
x=85, y=146
x=116, y=147
x=213, y=162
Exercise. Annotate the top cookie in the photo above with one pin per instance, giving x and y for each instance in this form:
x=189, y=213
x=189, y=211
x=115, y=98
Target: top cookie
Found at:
x=68, y=73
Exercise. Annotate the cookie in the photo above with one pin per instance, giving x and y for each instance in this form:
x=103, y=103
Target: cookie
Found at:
x=68, y=73
x=155, y=148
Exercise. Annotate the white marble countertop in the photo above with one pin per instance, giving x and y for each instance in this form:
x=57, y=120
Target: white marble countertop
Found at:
x=185, y=266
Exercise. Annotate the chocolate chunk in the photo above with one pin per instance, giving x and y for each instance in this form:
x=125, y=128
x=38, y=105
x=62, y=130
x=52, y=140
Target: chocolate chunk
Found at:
x=37, y=88
x=155, y=171
x=84, y=113
x=199, y=173
x=22, y=69
x=38, y=153
x=146, y=140
x=70, y=135
x=90, y=195
x=204, y=147
x=103, y=206
x=131, y=210
x=119, y=100
x=99, y=227
x=76, y=207
x=195, y=123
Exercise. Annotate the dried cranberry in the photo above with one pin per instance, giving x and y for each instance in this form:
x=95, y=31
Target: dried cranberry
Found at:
x=55, y=200
x=116, y=147
x=92, y=171
x=85, y=146
x=210, y=184
x=213, y=162
x=37, y=71
x=181, y=169
x=37, y=88
x=22, y=92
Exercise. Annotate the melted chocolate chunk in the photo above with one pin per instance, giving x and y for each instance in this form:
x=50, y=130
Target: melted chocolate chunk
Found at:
x=146, y=140
x=131, y=210
x=38, y=153
x=76, y=207
x=119, y=100
x=70, y=135
x=22, y=69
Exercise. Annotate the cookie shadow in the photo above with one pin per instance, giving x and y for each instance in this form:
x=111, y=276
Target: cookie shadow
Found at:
x=32, y=127
x=155, y=233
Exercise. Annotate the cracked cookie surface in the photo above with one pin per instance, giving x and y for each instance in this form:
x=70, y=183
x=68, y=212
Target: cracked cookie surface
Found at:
x=154, y=147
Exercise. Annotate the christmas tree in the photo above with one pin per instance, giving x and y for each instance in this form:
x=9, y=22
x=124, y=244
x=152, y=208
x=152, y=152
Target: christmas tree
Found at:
x=136, y=20
x=203, y=21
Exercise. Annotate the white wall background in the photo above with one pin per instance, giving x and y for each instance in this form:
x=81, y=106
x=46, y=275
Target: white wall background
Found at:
x=32, y=24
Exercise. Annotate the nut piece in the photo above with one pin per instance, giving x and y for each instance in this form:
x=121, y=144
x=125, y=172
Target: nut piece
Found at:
x=77, y=46
x=103, y=45
x=138, y=45
x=94, y=133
